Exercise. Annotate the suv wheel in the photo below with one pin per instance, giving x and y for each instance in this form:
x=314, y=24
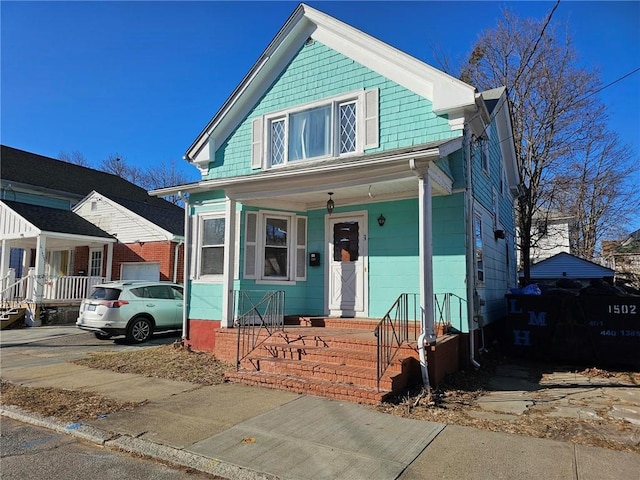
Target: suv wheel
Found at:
x=139, y=330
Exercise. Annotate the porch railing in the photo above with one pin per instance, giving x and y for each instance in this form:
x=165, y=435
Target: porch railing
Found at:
x=393, y=330
x=54, y=288
x=257, y=313
x=403, y=323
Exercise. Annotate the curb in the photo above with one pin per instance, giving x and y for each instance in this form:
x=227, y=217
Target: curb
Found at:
x=127, y=443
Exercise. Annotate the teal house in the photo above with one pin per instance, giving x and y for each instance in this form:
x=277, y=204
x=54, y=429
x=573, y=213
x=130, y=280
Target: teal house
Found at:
x=347, y=181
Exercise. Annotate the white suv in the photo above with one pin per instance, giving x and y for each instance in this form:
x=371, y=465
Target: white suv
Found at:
x=132, y=308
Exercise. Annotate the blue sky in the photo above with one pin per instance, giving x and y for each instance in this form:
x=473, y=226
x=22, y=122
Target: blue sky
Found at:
x=142, y=79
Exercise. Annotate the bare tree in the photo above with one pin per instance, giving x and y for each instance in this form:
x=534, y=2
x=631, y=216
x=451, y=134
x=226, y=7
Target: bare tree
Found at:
x=116, y=165
x=547, y=94
x=165, y=174
x=76, y=157
x=594, y=187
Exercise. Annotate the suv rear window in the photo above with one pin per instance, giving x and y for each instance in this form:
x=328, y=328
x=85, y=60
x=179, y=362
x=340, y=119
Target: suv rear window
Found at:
x=101, y=293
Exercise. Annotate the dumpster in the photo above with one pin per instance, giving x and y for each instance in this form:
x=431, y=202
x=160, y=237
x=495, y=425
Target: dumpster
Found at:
x=600, y=331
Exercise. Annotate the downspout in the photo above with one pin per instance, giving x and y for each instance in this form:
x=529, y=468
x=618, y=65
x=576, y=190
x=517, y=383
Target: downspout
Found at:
x=185, y=269
x=427, y=336
x=470, y=248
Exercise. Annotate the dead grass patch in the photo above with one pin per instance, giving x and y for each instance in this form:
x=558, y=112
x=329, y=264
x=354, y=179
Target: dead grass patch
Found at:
x=65, y=405
x=170, y=362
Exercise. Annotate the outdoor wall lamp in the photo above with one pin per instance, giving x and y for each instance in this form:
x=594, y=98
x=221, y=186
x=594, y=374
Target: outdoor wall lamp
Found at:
x=330, y=204
x=498, y=234
x=381, y=220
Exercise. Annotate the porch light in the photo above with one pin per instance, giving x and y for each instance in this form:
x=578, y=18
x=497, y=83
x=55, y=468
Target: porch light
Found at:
x=330, y=204
x=381, y=220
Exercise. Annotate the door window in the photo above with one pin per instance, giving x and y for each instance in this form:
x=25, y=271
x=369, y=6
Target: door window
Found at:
x=345, y=242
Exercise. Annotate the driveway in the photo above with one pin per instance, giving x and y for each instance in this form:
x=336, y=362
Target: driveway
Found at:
x=42, y=346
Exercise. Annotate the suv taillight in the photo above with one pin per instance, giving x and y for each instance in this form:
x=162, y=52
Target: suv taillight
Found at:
x=114, y=303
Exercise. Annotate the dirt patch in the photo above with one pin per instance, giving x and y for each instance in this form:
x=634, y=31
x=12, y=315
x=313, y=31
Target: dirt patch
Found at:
x=65, y=405
x=170, y=362
x=455, y=403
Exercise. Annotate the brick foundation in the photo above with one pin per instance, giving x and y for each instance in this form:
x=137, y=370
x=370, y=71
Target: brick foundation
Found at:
x=202, y=334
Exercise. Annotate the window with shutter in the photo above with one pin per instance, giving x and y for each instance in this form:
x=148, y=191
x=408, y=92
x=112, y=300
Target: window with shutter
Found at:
x=275, y=247
x=337, y=126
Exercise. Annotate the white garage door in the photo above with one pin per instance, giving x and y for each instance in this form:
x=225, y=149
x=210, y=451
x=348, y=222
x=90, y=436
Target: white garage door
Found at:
x=140, y=271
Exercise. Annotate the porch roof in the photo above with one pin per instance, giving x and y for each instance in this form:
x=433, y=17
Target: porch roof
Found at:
x=53, y=220
x=308, y=180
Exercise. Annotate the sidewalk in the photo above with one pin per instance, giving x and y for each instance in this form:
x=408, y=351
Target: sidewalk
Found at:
x=244, y=432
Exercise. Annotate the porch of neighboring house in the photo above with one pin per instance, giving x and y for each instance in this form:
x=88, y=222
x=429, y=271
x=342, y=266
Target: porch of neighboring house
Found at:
x=58, y=303
x=50, y=259
x=361, y=360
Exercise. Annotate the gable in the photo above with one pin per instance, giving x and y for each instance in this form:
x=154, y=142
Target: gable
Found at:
x=316, y=73
x=448, y=96
x=131, y=221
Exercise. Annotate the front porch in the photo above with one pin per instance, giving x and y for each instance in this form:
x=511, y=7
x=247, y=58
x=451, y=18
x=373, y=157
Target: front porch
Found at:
x=336, y=358
x=58, y=302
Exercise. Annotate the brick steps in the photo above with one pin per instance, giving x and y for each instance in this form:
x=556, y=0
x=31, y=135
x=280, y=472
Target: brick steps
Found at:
x=365, y=376
x=323, y=388
x=313, y=353
x=330, y=357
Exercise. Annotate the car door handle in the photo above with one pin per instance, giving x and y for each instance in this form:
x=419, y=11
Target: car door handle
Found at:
x=151, y=304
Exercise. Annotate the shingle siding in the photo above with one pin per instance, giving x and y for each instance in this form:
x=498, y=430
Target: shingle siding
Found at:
x=318, y=72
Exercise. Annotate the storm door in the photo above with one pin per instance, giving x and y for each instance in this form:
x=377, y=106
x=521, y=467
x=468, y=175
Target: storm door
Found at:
x=347, y=257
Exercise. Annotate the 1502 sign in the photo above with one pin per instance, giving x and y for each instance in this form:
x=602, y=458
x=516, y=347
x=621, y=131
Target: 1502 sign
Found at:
x=623, y=309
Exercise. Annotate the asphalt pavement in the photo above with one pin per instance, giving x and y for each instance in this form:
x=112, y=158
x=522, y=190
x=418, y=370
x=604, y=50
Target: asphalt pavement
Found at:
x=242, y=432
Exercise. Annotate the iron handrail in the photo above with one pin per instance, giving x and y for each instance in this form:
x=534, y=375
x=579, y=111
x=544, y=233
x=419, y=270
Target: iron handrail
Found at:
x=393, y=331
x=258, y=313
x=394, y=328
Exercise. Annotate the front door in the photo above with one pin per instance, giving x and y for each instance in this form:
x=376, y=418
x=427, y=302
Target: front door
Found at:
x=347, y=264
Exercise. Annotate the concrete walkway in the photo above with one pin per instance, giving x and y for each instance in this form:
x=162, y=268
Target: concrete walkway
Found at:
x=244, y=432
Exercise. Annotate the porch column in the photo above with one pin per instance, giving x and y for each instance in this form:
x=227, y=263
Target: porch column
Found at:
x=38, y=284
x=108, y=271
x=229, y=262
x=426, y=256
x=4, y=260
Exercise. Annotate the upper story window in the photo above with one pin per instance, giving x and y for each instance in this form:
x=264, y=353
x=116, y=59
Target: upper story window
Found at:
x=329, y=128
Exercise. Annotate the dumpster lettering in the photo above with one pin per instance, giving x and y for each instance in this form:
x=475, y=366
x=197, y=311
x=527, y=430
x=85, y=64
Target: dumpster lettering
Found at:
x=522, y=338
x=513, y=306
x=538, y=320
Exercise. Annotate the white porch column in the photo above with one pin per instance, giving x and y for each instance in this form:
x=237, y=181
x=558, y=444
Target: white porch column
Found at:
x=38, y=284
x=4, y=259
x=426, y=256
x=229, y=262
x=108, y=271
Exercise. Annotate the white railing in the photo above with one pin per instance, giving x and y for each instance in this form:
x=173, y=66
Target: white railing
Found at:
x=53, y=288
